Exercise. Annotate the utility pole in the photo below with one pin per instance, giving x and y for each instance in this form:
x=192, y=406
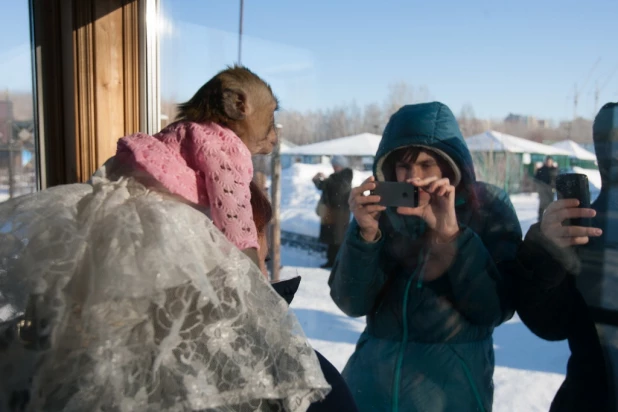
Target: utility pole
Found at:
x=575, y=101
x=242, y=11
x=599, y=88
x=577, y=91
x=275, y=198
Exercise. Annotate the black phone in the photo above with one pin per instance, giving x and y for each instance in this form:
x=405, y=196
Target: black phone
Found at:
x=574, y=186
x=395, y=194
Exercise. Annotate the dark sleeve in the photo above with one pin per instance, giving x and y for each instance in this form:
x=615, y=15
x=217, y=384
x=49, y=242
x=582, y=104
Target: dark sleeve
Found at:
x=481, y=273
x=319, y=183
x=553, y=174
x=546, y=291
x=357, y=276
x=338, y=186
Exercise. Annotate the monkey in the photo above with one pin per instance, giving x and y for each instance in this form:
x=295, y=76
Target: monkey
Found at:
x=239, y=100
x=146, y=255
x=229, y=119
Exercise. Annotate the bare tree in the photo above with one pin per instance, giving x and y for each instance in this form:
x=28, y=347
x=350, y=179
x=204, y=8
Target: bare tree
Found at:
x=373, y=119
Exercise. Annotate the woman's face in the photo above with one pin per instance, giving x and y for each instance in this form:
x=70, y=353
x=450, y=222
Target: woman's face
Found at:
x=426, y=165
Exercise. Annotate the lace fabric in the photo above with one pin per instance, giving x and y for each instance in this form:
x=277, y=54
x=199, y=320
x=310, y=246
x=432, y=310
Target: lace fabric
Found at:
x=204, y=163
x=143, y=305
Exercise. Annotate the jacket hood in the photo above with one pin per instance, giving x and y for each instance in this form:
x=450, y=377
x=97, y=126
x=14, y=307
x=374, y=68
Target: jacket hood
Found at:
x=605, y=135
x=431, y=126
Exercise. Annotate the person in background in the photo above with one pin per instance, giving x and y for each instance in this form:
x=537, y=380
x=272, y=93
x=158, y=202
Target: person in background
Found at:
x=433, y=281
x=333, y=207
x=545, y=178
x=568, y=288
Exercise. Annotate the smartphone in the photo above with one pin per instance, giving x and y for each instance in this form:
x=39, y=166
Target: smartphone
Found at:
x=395, y=194
x=574, y=186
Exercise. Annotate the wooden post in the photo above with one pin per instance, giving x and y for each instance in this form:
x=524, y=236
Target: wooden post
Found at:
x=11, y=174
x=275, y=195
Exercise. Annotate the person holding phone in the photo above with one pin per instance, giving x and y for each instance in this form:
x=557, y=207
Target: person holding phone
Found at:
x=568, y=287
x=432, y=278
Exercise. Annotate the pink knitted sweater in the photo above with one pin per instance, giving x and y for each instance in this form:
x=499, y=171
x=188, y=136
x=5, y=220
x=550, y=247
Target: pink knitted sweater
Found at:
x=204, y=163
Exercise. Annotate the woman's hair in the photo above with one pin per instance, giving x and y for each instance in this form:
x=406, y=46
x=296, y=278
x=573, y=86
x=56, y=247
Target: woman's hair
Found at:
x=408, y=155
x=262, y=209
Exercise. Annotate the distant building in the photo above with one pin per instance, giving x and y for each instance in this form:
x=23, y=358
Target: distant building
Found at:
x=359, y=149
x=529, y=121
x=6, y=121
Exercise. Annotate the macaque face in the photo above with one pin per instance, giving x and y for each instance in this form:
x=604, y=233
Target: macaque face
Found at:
x=238, y=99
x=256, y=127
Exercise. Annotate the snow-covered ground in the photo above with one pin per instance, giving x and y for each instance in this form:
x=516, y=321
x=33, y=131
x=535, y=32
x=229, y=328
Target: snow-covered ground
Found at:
x=529, y=370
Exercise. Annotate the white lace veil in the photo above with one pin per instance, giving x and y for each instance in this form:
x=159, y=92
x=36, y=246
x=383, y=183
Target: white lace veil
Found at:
x=140, y=304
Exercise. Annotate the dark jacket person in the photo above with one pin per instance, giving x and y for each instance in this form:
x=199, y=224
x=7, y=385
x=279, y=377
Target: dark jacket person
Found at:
x=568, y=288
x=431, y=280
x=545, y=179
x=333, y=207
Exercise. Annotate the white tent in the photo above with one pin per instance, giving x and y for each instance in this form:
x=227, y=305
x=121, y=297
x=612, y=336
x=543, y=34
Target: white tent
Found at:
x=365, y=144
x=286, y=145
x=575, y=150
x=492, y=141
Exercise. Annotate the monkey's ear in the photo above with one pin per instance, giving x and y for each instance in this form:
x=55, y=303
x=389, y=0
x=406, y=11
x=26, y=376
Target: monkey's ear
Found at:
x=235, y=104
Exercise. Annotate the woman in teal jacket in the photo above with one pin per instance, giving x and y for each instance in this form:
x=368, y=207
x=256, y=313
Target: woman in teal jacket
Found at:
x=432, y=281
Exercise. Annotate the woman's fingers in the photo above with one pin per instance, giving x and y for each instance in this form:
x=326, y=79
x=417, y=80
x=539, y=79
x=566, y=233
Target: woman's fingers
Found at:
x=418, y=182
x=410, y=211
x=578, y=231
x=363, y=200
x=571, y=241
x=433, y=185
x=562, y=204
x=565, y=236
x=373, y=208
x=560, y=214
x=366, y=186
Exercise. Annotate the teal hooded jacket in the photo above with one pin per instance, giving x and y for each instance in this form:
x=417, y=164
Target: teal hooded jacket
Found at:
x=428, y=344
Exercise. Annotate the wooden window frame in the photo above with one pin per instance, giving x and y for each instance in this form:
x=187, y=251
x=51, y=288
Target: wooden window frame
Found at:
x=89, y=65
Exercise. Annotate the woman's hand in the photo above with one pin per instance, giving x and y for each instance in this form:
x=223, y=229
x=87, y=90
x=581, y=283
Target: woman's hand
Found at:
x=565, y=236
x=365, y=210
x=439, y=211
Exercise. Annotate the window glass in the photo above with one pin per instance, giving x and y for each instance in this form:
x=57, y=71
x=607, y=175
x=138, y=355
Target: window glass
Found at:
x=18, y=164
x=522, y=86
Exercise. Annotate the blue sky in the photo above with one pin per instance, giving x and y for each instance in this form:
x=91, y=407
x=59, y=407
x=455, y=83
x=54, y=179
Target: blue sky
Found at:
x=499, y=56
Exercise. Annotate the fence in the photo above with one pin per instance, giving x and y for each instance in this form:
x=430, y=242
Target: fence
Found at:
x=17, y=173
x=504, y=170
